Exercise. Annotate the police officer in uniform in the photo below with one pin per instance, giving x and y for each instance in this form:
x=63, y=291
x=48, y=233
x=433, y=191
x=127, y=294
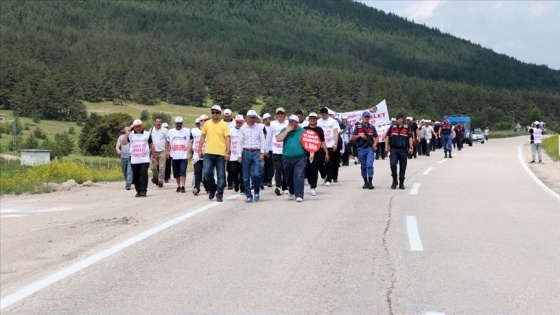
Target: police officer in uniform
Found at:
x=446, y=134
x=366, y=137
x=399, y=142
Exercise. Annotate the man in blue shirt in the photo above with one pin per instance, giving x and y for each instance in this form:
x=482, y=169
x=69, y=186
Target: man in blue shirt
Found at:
x=366, y=136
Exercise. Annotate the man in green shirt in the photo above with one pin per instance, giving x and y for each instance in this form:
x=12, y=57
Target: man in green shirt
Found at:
x=294, y=158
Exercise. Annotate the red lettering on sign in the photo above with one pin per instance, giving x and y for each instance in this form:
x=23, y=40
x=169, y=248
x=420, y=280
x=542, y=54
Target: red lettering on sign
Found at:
x=310, y=141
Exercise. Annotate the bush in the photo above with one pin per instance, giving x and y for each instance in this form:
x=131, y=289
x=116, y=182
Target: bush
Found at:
x=39, y=134
x=71, y=130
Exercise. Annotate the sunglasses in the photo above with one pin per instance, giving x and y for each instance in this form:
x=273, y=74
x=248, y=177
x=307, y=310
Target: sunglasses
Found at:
x=216, y=113
x=280, y=113
x=178, y=123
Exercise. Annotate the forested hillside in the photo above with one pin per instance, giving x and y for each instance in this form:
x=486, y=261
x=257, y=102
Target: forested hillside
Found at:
x=298, y=54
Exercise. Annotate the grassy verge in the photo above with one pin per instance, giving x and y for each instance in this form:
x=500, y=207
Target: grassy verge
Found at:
x=506, y=134
x=550, y=146
x=19, y=179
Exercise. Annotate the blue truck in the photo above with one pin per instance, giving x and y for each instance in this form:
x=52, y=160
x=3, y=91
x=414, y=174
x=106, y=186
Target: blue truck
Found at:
x=466, y=121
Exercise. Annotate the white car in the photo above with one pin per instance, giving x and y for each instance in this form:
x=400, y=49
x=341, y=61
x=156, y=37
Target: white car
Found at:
x=477, y=135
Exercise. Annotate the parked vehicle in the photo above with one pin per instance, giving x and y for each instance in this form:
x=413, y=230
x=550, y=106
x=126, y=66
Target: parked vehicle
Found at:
x=477, y=135
x=466, y=121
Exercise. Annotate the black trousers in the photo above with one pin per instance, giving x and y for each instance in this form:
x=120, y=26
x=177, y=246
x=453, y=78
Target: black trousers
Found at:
x=312, y=170
x=330, y=169
x=345, y=157
x=425, y=147
x=380, y=152
x=234, y=174
x=398, y=156
x=279, y=179
x=268, y=168
x=140, y=176
x=197, y=174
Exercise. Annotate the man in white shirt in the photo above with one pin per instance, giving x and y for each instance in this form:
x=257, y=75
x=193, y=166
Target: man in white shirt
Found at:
x=233, y=167
x=276, y=148
x=197, y=160
x=140, y=147
x=330, y=128
x=427, y=135
x=179, y=149
x=228, y=118
x=159, y=139
x=253, y=145
x=268, y=165
x=536, y=145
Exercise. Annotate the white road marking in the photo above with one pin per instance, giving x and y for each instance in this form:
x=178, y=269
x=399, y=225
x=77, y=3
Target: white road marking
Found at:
x=11, y=216
x=66, y=272
x=444, y=160
x=413, y=235
x=414, y=190
x=34, y=211
x=427, y=171
x=533, y=176
x=434, y=313
x=51, y=226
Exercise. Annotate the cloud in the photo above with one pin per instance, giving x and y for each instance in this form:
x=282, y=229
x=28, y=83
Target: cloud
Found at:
x=422, y=9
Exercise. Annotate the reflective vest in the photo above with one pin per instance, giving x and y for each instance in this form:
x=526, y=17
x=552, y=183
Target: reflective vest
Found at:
x=398, y=137
x=446, y=128
x=368, y=130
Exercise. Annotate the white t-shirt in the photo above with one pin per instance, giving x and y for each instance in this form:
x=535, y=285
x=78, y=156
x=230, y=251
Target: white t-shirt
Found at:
x=234, y=144
x=275, y=129
x=329, y=125
x=178, y=143
x=537, y=135
x=159, y=137
x=139, y=147
x=196, y=134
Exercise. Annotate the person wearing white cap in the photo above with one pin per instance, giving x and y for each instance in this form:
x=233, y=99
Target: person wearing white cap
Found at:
x=294, y=158
x=268, y=170
x=216, y=134
x=233, y=166
x=536, y=141
x=276, y=147
x=312, y=170
x=179, y=148
x=330, y=128
x=413, y=126
x=140, y=147
x=124, y=152
x=345, y=134
x=196, y=133
x=228, y=118
x=252, y=142
x=159, y=136
x=167, y=174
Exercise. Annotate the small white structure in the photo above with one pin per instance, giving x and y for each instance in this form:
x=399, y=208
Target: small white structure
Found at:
x=35, y=157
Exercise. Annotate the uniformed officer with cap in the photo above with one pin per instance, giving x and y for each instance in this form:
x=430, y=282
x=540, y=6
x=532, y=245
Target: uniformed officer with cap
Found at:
x=399, y=141
x=366, y=136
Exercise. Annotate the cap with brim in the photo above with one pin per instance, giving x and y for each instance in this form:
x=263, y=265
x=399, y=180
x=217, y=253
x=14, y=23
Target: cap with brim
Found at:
x=251, y=113
x=280, y=109
x=204, y=117
x=137, y=122
x=313, y=114
x=445, y=117
x=537, y=122
x=197, y=121
x=366, y=114
x=344, y=117
x=399, y=115
x=267, y=115
x=165, y=125
x=239, y=118
x=293, y=117
x=227, y=112
x=216, y=107
x=408, y=118
x=178, y=120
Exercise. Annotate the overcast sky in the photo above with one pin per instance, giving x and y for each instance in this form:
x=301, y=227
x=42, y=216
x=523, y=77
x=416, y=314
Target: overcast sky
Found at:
x=526, y=30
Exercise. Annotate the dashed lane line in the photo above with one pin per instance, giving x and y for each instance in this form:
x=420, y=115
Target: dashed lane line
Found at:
x=414, y=190
x=413, y=235
x=427, y=171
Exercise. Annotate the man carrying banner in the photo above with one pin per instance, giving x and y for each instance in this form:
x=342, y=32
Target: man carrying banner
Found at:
x=366, y=136
x=398, y=140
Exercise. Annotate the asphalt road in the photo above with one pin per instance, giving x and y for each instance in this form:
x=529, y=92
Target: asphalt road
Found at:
x=470, y=235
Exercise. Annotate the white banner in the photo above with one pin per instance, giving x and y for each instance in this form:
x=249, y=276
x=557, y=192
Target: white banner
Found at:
x=379, y=115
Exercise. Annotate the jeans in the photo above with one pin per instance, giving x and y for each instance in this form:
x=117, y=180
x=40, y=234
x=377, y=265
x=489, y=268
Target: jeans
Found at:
x=447, y=143
x=127, y=171
x=294, y=171
x=218, y=162
x=251, y=171
x=365, y=155
x=536, y=148
x=180, y=168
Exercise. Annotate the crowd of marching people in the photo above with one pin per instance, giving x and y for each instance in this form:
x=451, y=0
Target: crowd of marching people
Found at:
x=250, y=153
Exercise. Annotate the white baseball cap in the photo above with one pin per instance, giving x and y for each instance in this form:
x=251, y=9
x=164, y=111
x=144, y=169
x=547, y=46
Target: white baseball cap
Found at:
x=344, y=117
x=137, y=122
x=252, y=113
x=165, y=125
x=537, y=122
x=408, y=118
x=313, y=114
x=203, y=117
x=216, y=107
x=293, y=117
x=239, y=118
x=197, y=121
x=227, y=112
x=178, y=120
x=267, y=115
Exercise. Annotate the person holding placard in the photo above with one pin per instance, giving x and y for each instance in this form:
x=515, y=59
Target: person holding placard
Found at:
x=321, y=155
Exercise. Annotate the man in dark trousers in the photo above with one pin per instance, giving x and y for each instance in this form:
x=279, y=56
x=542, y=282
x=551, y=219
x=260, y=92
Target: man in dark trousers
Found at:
x=399, y=142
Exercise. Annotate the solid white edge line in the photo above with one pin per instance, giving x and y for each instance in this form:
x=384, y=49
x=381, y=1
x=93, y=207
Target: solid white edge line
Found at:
x=12, y=215
x=413, y=235
x=427, y=171
x=533, y=176
x=64, y=273
x=414, y=190
x=434, y=313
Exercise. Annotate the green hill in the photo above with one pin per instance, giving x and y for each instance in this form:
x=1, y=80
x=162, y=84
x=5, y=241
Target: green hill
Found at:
x=298, y=54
